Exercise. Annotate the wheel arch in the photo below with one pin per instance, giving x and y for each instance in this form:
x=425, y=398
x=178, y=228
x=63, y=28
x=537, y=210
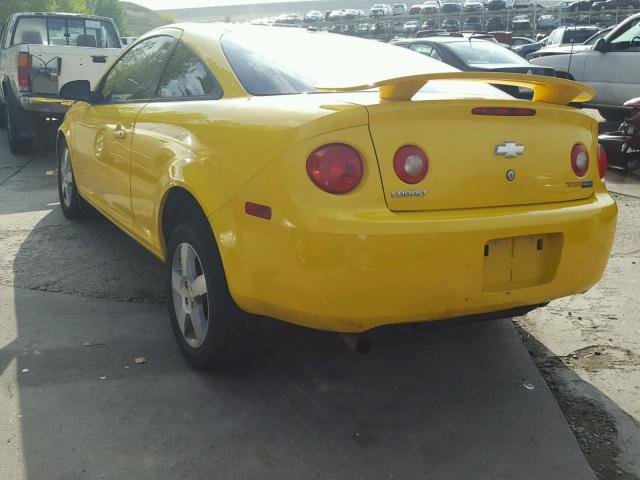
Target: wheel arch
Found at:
x=9, y=95
x=4, y=89
x=178, y=204
x=60, y=137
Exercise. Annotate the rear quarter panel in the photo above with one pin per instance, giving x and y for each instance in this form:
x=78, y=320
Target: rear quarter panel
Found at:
x=212, y=148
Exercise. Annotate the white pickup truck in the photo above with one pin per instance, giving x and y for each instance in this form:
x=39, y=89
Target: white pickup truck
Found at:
x=611, y=67
x=39, y=53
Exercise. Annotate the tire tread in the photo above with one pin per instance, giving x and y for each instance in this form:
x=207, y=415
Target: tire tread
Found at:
x=230, y=326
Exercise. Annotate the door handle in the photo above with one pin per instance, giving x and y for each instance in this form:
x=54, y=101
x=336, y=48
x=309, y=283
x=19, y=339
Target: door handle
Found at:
x=119, y=133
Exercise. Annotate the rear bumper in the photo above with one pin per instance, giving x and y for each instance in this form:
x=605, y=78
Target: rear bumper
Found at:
x=350, y=272
x=45, y=105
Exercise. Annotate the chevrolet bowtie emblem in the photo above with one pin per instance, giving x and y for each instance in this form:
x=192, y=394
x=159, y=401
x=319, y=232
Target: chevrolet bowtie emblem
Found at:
x=509, y=149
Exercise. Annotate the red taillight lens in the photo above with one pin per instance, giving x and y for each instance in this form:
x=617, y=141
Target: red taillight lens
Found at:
x=602, y=161
x=579, y=160
x=24, y=69
x=335, y=168
x=504, y=111
x=411, y=164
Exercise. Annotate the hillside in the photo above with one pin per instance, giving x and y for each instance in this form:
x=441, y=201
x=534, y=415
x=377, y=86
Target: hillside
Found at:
x=140, y=19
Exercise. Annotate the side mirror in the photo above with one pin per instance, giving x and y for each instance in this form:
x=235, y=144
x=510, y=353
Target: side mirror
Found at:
x=79, y=90
x=601, y=45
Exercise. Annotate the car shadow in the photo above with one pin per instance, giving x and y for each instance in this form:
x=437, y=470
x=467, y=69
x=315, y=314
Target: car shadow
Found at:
x=446, y=401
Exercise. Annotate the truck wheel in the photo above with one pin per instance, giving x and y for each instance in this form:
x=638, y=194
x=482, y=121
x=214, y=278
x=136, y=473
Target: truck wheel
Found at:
x=3, y=116
x=612, y=114
x=210, y=329
x=16, y=145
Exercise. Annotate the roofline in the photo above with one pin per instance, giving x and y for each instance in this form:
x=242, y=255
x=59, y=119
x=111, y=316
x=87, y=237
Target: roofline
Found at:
x=59, y=14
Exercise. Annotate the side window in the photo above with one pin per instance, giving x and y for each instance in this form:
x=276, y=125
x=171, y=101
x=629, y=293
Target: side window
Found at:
x=551, y=37
x=629, y=39
x=187, y=76
x=136, y=74
x=421, y=48
x=435, y=55
x=57, y=31
x=30, y=30
x=77, y=35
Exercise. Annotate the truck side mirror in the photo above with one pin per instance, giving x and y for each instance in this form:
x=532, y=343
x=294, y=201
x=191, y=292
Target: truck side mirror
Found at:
x=79, y=90
x=601, y=45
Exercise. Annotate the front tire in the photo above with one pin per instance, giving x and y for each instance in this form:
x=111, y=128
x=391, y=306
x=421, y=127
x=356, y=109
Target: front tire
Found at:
x=209, y=328
x=72, y=204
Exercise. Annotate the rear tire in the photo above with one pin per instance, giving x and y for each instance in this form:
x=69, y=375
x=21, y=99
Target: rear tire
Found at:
x=13, y=118
x=211, y=331
x=612, y=114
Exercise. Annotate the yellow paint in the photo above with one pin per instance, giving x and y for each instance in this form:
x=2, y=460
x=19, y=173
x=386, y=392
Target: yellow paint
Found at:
x=50, y=101
x=355, y=261
x=545, y=89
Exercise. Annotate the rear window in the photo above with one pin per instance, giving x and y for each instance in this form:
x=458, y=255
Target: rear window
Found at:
x=484, y=53
x=75, y=32
x=577, y=36
x=283, y=61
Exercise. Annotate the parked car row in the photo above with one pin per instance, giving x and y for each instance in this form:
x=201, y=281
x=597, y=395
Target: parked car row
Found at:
x=518, y=23
x=608, y=60
x=458, y=6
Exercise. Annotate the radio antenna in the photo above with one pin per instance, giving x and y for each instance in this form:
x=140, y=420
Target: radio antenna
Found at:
x=575, y=28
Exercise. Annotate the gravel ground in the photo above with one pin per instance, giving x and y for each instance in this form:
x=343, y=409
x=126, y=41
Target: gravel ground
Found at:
x=588, y=350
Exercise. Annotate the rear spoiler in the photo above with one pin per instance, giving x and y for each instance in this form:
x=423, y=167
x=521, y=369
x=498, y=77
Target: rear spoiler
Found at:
x=545, y=89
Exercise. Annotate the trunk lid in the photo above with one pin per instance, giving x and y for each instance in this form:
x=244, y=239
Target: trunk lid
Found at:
x=53, y=66
x=466, y=169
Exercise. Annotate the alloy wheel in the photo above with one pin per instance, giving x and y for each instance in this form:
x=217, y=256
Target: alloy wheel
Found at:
x=190, y=294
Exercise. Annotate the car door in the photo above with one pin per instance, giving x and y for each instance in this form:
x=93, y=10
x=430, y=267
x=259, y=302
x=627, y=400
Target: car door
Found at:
x=615, y=72
x=105, y=129
x=171, y=133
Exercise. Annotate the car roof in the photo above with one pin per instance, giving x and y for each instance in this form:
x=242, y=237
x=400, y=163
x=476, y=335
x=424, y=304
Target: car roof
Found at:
x=457, y=36
x=444, y=39
x=60, y=14
x=578, y=27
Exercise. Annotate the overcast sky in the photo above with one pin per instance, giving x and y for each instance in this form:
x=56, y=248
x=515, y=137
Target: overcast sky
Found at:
x=172, y=4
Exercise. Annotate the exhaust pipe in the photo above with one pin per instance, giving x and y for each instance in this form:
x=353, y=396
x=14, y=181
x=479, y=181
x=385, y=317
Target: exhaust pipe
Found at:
x=358, y=343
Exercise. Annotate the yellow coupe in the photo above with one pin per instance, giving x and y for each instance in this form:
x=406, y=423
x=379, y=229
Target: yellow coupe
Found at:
x=334, y=182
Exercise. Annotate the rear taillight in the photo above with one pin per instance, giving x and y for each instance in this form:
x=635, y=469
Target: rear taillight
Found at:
x=411, y=164
x=24, y=70
x=602, y=161
x=504, y=111
x=579, y=160
x=335, y=168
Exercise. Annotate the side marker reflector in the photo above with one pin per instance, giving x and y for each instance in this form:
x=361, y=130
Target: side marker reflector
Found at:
x=257, y=210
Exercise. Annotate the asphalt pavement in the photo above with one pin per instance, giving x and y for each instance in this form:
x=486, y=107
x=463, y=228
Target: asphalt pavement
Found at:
x=79, y=301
